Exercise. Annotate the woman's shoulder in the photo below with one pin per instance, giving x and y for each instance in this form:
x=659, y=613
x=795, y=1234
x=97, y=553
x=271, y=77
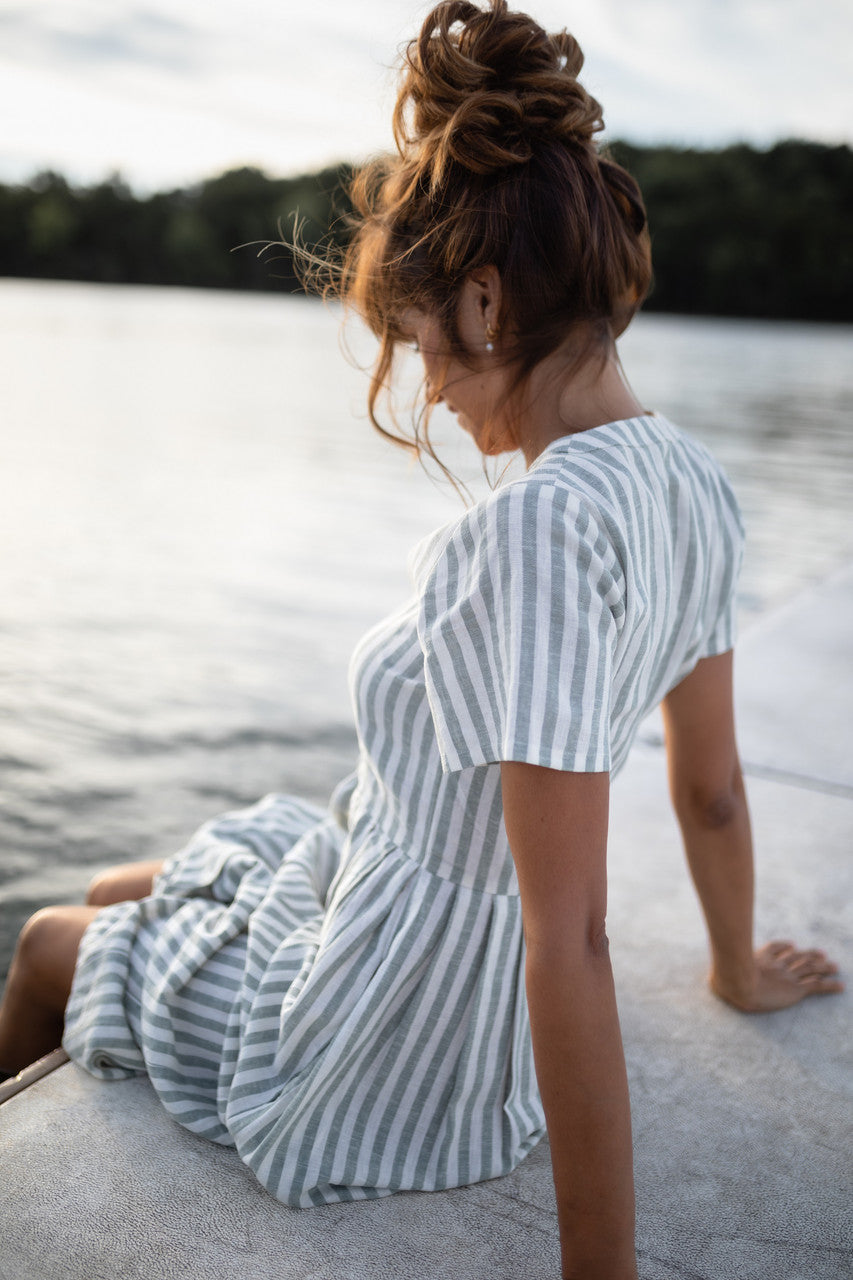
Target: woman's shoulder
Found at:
x=618, y=446
x=588, y=488
x=623, y=469
x=508, y=525
x=570, y=477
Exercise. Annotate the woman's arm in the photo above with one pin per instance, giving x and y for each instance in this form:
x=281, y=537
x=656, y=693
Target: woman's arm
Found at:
x=709, y=798
x=557, y=827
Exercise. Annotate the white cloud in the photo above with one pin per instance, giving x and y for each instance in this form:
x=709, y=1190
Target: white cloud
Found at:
x=170, y=92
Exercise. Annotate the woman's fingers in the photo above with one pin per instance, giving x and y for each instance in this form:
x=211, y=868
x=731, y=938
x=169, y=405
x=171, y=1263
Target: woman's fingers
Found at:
x=800, y=972
x=820, y=984
x=805, y=963
x=809, y=959
x=777, y=948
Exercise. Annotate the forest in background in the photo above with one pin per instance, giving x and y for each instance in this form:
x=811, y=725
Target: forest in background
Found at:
x=735, y=232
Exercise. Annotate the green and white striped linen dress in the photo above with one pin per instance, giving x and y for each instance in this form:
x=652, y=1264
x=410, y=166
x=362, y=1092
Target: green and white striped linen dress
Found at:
x=340, y=994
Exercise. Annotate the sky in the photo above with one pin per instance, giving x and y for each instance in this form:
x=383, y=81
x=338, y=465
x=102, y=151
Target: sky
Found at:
x=167, y=92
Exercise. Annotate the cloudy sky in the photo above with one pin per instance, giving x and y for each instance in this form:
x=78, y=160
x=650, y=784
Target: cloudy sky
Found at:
x=170, y=91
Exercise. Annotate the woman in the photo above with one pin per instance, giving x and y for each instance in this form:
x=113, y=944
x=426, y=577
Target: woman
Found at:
x=346, y=996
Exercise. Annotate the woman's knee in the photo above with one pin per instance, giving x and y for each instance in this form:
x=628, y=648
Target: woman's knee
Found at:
x=46, y=954
x=102, y=889
x=38, y=936
x=122, y=884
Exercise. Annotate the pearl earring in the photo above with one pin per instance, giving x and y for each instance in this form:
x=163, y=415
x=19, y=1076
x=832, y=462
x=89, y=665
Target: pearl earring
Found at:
x=491, y=334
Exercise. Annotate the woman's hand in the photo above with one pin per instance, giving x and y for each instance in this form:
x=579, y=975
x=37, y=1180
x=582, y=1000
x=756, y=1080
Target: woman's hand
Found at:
x=782, y=976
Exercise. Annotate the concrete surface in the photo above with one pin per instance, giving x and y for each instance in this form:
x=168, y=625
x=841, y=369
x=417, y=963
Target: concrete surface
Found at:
x=743, y=1125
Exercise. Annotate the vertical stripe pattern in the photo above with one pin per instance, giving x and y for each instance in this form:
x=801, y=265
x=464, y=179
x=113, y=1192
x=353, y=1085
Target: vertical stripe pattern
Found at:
x=340, y=994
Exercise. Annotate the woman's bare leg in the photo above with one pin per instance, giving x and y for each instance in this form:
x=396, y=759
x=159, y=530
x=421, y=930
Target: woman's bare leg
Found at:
x=32, y=1013
x=122, y=884
x=33, y=1010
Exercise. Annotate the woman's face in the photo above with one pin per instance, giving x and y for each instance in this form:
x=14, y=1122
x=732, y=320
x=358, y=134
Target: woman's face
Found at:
x=477, y=396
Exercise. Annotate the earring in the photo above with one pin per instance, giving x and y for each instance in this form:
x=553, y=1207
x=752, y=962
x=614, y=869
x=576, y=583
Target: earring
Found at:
x=491, y=334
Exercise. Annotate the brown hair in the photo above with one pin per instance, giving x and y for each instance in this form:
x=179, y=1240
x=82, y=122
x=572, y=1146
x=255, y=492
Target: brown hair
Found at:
x=496, y=164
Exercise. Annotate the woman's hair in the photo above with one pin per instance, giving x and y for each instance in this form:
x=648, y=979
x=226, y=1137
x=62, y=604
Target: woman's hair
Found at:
x=497, y=165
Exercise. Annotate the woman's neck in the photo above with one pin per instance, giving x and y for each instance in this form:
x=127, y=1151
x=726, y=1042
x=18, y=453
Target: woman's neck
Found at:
x=567, y=396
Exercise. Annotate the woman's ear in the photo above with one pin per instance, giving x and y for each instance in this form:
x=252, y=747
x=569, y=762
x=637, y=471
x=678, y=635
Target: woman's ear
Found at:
x=480, y=307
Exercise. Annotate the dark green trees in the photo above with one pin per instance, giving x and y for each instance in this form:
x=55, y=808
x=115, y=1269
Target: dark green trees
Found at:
x=742, y=232
x=210, y=235
x=737, y=231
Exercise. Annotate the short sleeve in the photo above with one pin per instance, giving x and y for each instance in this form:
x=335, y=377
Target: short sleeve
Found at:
x=518, y=623
x=721, y=591
x=723, y=634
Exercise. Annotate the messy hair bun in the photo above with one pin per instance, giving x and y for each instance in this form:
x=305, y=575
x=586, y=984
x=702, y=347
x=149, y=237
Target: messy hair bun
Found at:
x=496, y=164
x=486, y=97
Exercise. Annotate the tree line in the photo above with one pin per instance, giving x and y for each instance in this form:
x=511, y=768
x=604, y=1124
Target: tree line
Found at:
x=735, y=232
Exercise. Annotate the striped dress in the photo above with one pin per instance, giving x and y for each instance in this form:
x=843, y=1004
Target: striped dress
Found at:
x=339, y=994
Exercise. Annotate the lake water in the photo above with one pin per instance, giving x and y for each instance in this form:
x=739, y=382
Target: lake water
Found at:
x=197, y=523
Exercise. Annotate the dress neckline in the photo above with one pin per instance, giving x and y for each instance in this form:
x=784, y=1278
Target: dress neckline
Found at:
x=634, y=432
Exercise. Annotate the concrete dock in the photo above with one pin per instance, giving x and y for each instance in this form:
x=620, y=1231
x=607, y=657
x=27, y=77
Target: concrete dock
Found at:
x=743, y=1125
